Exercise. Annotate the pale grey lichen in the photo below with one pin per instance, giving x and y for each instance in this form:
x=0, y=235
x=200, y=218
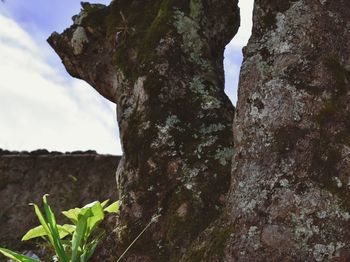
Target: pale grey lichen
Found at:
x=208, y=141
x=253, y=237
x=128, y=111
x=162, y=68
x=135, y=100
x=196, y=8
x=139, y=93
x=164, y=137
x=171, y=121
x=275, y=113
x=189, y=174
x=213, y=128
x=284, y=182
x=207, y=101
x=210, y=102
x=78, y=19
x=224, y=155
x=252, y=231
x=164, y=45
x=322, y=252
x=78, y=40
x=322, y=214
x=303, y=228
x=189, y=185
x=188, y=27
x=345, y=215
x=338, y=182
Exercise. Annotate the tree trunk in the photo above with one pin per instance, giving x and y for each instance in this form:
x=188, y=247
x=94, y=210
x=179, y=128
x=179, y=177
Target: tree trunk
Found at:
x=161, y=62
x=289, y=195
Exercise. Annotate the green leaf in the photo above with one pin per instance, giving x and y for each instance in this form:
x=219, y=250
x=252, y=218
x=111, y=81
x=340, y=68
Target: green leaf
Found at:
x=67, y=229
x=72, y=214
x=113, y=208
x=67, y=244
x=96, y=217
x=56, y=241
x=85, y=219
x=104, y=203
x=90, y=248
x=39, y=231
x=43, y=222
x=79, y=233
x=16, y=257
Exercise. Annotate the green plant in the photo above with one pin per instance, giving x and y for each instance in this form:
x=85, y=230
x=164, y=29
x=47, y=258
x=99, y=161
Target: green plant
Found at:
x=74, y=242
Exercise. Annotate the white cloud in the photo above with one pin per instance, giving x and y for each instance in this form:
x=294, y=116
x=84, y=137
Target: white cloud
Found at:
x=232, y=69
x=233, y=52
x=244, y=32
x=39, y=108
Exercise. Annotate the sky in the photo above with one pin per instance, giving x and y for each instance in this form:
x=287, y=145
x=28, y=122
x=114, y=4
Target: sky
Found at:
x=41, y=106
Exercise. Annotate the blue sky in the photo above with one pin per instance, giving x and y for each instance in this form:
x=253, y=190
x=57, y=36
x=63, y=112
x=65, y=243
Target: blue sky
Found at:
x=41, y=105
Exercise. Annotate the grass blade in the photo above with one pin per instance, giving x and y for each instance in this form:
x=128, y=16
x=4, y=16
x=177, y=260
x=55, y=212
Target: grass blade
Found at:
x=16, y=257
x=51, y=221
x=78, y=236
x=43, y=222
x=90, y=248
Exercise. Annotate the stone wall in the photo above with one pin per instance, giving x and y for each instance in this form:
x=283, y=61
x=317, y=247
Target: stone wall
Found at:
x=71, y=179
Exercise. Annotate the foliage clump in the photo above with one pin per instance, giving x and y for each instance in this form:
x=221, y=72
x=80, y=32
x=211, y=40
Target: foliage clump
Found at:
x=71, y=242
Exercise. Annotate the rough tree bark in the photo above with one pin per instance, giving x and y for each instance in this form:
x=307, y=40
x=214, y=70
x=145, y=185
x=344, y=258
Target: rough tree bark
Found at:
x=161, y=62
x=289, y=198
x=289, y=195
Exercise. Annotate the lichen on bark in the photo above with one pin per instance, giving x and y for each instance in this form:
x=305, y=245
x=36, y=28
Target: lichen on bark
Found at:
x=289, y=193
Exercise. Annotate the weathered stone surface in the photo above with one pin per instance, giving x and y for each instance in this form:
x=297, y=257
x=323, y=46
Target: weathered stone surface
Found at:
x=161, y=62
x=72, y=180
x=289, y=197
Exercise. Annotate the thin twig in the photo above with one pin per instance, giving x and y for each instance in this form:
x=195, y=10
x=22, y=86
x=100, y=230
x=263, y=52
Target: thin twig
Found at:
x=153, y=220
